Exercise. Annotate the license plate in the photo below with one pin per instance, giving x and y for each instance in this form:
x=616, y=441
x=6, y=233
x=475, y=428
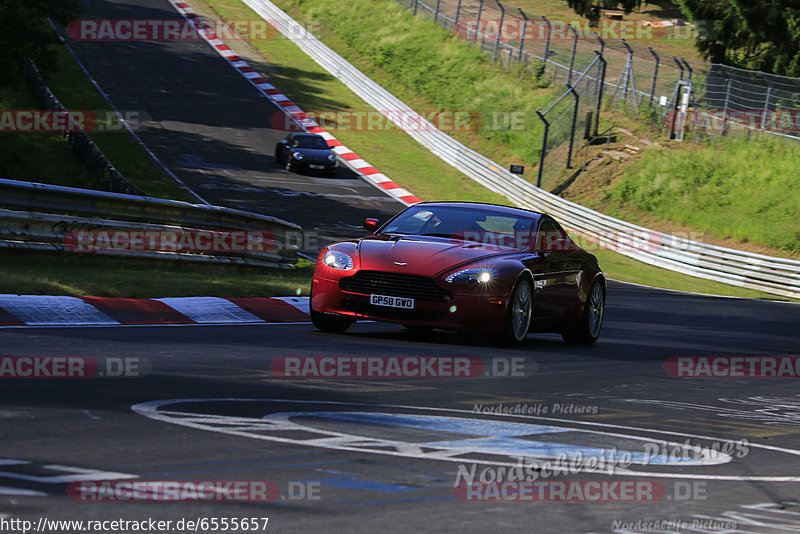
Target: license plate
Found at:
x=316, y=166
x=392, y=302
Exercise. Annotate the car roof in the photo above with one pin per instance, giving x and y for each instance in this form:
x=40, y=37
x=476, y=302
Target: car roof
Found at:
x=307, y=135
x=497, y=208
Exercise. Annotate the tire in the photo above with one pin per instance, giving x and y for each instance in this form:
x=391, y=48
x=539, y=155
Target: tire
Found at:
x=289, y=167
x=519, y=314
x=330, y=323
x=588, y=330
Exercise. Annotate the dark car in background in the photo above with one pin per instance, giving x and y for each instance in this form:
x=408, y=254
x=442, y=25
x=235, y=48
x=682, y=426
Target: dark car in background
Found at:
x=462, y=266
x=305, y=152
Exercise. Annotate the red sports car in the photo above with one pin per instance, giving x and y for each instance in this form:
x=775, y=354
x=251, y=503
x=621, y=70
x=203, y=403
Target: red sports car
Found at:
x=462, y=266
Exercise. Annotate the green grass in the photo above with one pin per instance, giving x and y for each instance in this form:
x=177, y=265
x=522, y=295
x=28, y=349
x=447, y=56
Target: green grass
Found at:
x=40, y=156
x=75, y=91
x=740, y=189
x=415, y=55
x=66, y=273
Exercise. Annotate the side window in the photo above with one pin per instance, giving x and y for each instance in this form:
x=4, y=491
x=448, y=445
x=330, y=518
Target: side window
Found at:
x=549, y=232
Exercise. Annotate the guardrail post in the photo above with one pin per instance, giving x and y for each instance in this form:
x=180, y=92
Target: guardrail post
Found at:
x=458, y=13
x=416, y=5
x=655, y=76
x=436, y=14
x=500, y=29
x=522, y=37
x=572, y=129
x=543, y=153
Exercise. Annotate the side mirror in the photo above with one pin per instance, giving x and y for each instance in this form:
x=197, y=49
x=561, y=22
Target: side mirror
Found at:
x=371, y=224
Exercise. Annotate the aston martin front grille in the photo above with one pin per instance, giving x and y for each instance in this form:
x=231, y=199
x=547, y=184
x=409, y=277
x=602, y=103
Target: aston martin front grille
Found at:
x=395, y=285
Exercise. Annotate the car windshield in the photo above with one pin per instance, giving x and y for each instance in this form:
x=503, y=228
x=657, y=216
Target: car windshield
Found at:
x=468, y=224
x=309, y=141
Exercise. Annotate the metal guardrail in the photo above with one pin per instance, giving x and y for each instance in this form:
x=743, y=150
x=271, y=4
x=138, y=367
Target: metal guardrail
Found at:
x=772, y=275
x=40, y=216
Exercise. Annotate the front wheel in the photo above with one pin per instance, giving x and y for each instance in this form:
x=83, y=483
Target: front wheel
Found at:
x=588, y=330
x=330, y=323
x=519, y=314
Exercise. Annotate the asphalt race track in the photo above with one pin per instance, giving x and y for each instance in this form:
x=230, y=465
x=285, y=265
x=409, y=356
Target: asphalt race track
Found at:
x=619, y=387
x=382, y=454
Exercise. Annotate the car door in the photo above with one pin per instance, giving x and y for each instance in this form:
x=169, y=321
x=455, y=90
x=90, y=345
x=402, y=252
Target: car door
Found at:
x=556, y=281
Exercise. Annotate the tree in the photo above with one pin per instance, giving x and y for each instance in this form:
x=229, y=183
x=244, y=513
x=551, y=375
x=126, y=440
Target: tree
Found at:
x=591, y=8
x=752, y=34
x=25, y=32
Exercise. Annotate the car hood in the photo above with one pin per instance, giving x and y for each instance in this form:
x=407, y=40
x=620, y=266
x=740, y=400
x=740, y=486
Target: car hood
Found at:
x=425, y=256
x=314, y=154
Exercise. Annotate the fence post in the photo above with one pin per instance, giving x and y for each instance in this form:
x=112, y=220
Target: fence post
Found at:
x=458, y=13
x=572, y=58
x=543, y=153
x=436, y=15
x=478, y=25
x=572, y=128
x=522, y=38
x=725, y=112
x=500, y=29
x=766, y=108
x=655, y=76
x=602, y=43
x=600, y=90
x=416, y=4
x=547, y=42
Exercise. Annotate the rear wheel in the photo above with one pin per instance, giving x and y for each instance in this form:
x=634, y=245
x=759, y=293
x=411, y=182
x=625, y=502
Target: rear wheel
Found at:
x=335, y=324
x=519, y=314
x=588, y=330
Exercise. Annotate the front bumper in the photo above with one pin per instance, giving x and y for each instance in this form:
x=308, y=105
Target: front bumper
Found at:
x=468, y=309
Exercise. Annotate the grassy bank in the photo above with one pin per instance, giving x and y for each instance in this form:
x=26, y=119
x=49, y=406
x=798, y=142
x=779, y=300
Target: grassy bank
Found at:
x=739, y=189
x=37, y=157
x=45, y=273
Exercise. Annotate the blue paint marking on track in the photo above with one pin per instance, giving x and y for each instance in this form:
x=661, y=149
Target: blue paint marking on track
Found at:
x=495, y=437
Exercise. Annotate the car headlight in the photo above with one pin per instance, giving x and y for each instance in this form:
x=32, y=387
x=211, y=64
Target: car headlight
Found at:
x=481, y=275
x=337, y=260
x=331, y=158
x=297, y=155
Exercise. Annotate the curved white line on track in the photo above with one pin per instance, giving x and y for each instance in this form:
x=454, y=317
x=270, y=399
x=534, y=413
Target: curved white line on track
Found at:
x=151, y=410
